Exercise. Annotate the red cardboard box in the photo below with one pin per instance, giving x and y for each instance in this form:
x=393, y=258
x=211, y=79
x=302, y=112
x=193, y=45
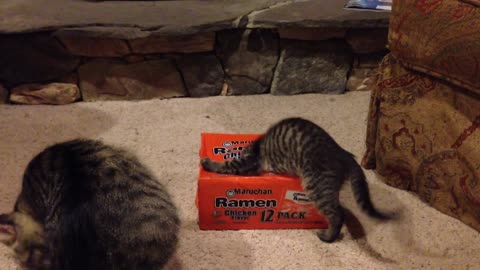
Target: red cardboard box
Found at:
x=268, y=201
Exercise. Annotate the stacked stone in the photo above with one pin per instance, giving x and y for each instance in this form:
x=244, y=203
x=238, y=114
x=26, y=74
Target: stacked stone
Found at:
x=51, y=68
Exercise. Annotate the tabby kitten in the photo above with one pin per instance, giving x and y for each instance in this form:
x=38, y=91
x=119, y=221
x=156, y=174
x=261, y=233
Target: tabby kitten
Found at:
x=298, y=147
x=87, y=205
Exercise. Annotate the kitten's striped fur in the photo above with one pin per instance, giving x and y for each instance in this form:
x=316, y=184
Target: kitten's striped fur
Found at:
x=298, y=147
x=87, y=205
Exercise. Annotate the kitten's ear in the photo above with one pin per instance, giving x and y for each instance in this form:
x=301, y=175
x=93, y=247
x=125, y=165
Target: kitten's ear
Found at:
x=8, y=234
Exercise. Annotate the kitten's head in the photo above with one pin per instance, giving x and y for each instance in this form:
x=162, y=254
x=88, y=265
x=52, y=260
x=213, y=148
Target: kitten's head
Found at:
x=25, y=237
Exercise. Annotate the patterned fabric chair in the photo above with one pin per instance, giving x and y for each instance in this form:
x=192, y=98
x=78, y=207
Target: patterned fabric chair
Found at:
x=423, y=128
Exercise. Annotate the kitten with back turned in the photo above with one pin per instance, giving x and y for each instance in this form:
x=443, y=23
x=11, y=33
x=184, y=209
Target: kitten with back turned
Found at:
x=87, y=205
x=298, y=147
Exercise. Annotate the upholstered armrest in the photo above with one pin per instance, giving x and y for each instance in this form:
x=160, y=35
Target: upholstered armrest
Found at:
x=438, y=37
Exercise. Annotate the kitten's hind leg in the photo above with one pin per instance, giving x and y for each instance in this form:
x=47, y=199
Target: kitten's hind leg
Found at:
x=323, y=190
x=335, y=218
x=242, y=166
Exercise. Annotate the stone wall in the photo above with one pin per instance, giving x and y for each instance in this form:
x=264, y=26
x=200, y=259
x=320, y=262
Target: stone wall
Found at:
x=48, y=68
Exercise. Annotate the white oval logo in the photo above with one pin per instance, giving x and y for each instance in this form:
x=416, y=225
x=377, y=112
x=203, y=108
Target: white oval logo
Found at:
x=227, y=144
x=230, y=193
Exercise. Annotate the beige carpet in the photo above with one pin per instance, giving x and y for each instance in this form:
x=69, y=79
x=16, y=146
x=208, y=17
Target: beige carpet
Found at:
x=166, y=136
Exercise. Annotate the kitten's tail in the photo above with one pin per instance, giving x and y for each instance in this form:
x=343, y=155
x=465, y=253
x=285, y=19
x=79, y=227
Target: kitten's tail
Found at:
x=361, y=192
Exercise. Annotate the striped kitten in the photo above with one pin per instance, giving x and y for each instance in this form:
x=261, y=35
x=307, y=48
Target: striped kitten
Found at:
x=298, y=147
x=86, y=205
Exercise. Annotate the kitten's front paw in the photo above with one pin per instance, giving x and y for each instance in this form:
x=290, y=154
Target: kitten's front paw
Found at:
x=206, y=164
x=37, y=258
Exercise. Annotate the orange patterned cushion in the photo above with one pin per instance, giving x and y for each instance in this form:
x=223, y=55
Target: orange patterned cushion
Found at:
x=473, y=2
x=423, y=135
x=439, y=37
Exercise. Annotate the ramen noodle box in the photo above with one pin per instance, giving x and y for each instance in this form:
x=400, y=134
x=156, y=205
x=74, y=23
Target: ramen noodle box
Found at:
x=268, y=201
